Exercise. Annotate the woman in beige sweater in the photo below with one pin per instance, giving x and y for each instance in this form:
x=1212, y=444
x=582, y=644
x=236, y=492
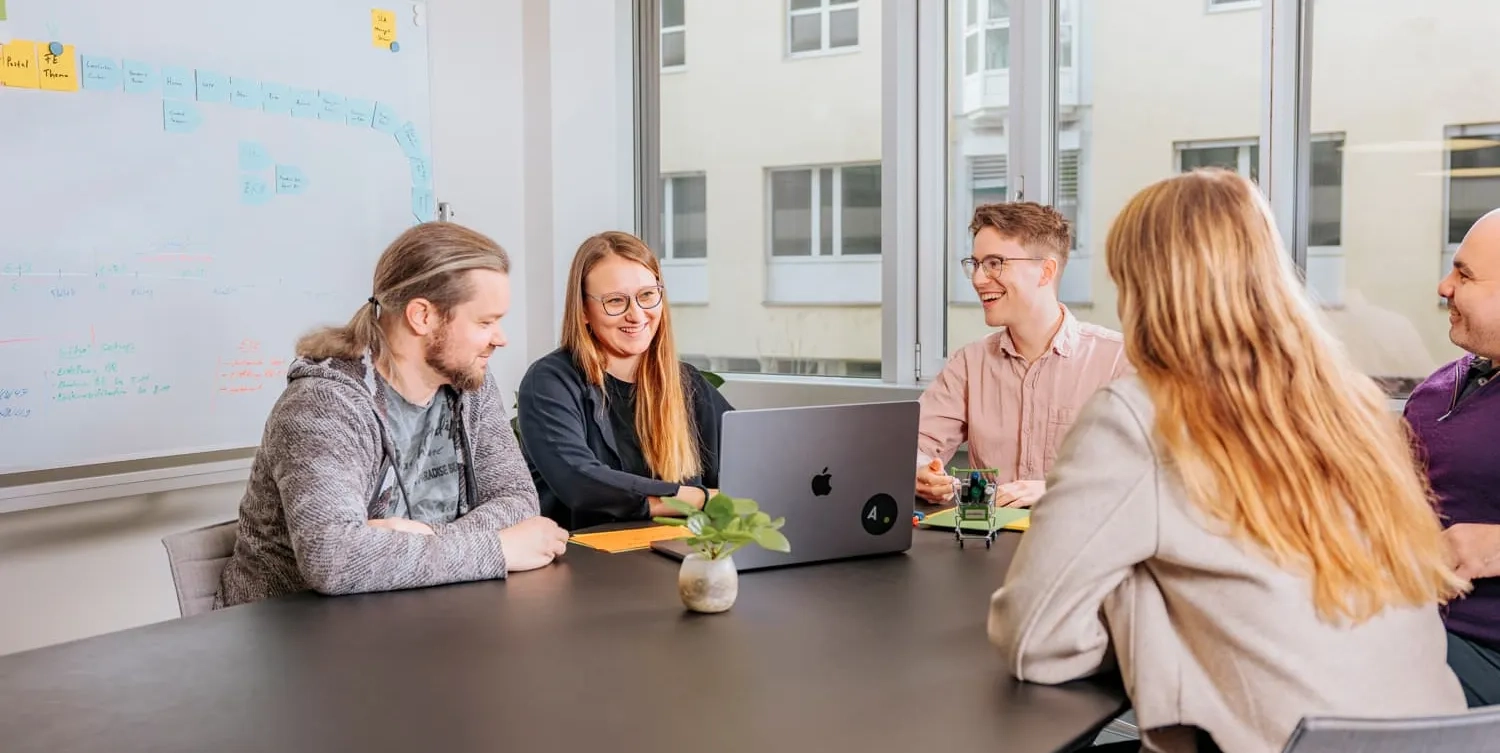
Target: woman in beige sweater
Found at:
x=1240, y=527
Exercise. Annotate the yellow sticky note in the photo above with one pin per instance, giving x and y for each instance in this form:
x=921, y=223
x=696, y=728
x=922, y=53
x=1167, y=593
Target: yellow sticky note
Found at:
x=59, y=71
x=629, y=539
x=18, y=65
x=383, y=28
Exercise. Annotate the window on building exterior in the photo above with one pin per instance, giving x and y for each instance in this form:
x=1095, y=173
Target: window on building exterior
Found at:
x=987, y=35
x=825, y=211
x=684, y=222
x=673, y=34
x=817, y=25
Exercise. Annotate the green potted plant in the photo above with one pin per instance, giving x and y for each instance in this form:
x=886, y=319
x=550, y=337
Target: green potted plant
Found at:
x=708, y=580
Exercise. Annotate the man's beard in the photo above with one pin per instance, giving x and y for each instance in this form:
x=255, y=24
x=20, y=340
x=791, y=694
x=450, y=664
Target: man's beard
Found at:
x=463, y=379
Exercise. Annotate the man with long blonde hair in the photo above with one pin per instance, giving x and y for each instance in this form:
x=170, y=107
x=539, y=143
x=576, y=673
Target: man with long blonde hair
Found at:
x=1240, y=525
x=1453, y=416
x=388, y=462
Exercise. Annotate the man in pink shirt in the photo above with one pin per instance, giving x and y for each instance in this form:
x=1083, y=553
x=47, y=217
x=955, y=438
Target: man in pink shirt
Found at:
x=1013, y=394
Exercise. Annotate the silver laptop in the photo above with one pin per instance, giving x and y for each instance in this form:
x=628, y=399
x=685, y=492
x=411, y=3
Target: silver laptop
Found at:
x=841, y=475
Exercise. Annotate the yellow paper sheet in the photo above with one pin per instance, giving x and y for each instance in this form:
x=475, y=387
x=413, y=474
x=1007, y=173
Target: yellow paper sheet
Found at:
x=629, y=539
x=59, y=72
x=18, y=65
x=382, y=28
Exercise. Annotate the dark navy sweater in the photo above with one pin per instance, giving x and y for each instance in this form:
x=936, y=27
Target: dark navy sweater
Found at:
x=1457, y=441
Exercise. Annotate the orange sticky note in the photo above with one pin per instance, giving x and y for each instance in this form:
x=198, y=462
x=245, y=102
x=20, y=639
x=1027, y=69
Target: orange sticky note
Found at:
x=18, y=64
x=630, y=539
x=382, y=28
x=59, y=71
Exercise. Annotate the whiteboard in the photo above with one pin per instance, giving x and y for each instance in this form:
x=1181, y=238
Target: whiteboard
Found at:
x=222, y=180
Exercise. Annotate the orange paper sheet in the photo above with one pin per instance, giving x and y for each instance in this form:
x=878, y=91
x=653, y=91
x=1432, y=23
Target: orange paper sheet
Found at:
x=629, y=539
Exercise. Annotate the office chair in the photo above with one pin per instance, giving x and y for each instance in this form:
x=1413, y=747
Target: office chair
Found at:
x=197, y=559
x=1470, y=732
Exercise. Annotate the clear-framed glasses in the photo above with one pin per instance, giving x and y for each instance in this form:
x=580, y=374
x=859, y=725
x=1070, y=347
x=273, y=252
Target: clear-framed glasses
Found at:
x=615, y=304
x=993, y=265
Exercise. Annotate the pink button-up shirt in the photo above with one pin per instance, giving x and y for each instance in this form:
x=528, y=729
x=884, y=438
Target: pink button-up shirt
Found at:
x=1013, y=415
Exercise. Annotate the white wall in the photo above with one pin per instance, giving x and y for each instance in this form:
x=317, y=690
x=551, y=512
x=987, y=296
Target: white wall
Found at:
x=79, y=570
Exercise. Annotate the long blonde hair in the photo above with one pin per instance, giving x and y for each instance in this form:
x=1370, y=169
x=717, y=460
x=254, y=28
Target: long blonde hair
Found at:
x=668, y=437
x=1270, y=427
x=428, y=261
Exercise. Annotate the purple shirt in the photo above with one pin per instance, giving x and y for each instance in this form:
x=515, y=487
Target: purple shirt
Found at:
x=1456, y=440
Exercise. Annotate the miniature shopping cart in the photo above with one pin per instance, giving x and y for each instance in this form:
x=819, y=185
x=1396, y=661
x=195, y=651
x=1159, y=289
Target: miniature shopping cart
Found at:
x=974, y=492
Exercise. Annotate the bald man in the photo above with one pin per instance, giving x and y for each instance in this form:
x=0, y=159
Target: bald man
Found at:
x=1454, y=416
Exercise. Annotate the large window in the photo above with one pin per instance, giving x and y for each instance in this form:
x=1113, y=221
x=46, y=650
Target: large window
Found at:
x=825, y=211
x=1421, y=158
x=771, y=192
x=817, y=25
x=673, y=34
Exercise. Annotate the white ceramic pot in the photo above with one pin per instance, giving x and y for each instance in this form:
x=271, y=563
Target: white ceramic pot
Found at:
x=707, y=585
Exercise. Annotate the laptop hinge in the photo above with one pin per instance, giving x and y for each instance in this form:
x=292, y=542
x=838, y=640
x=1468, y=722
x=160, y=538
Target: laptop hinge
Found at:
x=917, y=369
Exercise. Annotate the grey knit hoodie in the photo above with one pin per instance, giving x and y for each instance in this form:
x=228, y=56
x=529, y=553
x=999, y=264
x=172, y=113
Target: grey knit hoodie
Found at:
x=313, y=488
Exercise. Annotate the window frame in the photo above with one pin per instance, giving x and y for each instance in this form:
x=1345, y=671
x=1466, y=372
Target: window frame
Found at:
x=1453, y=131
x=668, y=246
x=824, y=11
x=662, y=33
x=836, y=213
x=1229, y=6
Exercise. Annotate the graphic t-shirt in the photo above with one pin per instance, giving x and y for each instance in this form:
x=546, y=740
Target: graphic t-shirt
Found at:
x=427, y=441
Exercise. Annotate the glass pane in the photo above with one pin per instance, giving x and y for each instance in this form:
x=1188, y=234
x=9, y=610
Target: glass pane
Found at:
x=1065, y=46
x=1473, y=179
x=978, y=158
x=999, y=9
x=825, y=211
x=1327, y=200
x=1193, y=158
x=1393, y=109
x=843, y=28
x=672, y=49
x=804, y=4
x=791, y=212
x=971, y=13
x=768, y=135
x=807, y=32
x=861, y=210
x=690, y=217
x=666, y=214
x=671, y=13
x=1144, y=90
x=997, y=49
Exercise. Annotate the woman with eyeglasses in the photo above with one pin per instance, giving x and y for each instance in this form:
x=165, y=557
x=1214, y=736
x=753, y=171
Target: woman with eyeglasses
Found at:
x=611, y=423
x=1240, y=527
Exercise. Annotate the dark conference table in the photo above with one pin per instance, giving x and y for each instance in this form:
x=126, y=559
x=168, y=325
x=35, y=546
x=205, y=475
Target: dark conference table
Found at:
x=594, y=653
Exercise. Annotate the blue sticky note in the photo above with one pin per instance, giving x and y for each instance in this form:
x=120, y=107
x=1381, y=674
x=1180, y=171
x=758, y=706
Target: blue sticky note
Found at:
x=276, y=99
x=290, y=180
x=305, y=103
x=421, y=172
x=140, y=78
x=254, y=156
x=331, y=107
x=410, y=141
x=422, y=204
x=244, y=93
x=177, y=83
x=385, y=119
x=212, y=87
x=100, y=74
x=254, y=190
x=359, y=113
x=180, y=117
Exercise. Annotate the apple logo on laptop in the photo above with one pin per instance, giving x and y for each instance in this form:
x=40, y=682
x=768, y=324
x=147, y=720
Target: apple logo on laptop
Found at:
x=822, y=484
